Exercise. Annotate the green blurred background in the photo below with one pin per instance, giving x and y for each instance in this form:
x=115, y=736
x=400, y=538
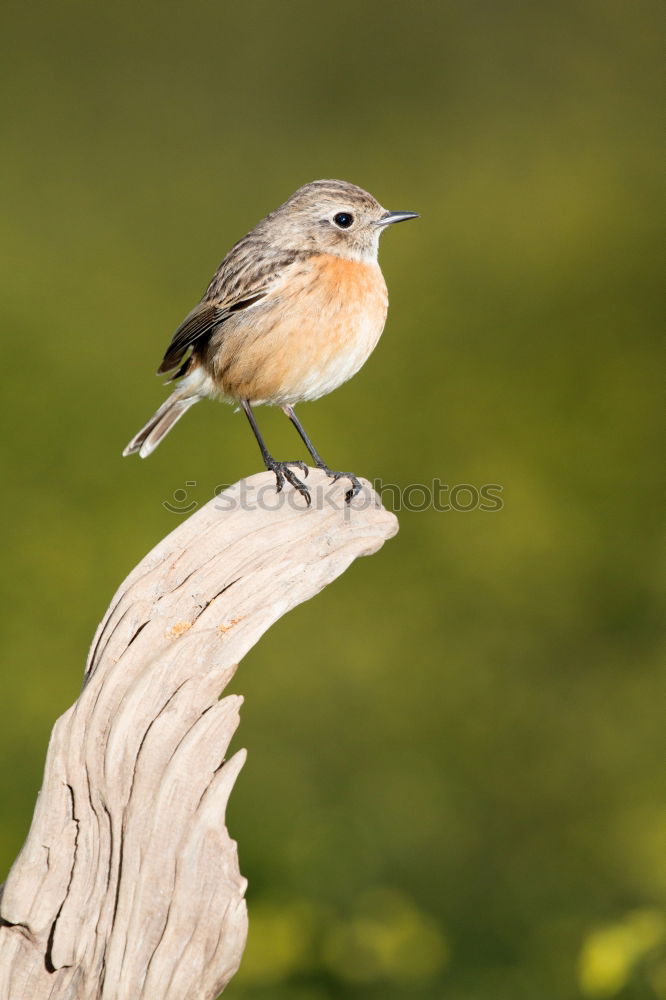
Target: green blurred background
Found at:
x=453, y=787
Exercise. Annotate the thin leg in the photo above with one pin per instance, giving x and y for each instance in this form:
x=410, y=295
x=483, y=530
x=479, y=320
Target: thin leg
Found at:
x=318, y=460
x=281, y=469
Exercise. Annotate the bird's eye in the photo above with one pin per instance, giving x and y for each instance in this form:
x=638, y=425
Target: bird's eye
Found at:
x=343, y=220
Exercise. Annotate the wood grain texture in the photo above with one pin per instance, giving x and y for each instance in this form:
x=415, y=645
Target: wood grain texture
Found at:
x=128, y=886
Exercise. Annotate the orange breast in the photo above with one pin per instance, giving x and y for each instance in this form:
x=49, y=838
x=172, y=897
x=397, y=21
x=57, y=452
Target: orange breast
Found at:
x=316, y=331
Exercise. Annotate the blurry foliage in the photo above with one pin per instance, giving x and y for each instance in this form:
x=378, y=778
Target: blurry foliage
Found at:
x=452, y=787
x=610, y=954
x=385, y=939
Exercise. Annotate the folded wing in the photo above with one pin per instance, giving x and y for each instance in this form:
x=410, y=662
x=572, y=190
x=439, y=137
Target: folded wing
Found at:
x=198, y=326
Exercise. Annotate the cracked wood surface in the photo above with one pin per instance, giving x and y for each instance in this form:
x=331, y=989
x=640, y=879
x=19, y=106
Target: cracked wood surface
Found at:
x=128, y=886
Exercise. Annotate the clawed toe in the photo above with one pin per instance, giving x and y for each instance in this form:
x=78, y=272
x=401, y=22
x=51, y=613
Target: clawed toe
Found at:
x=355, y=483
x=283, y=472
x=302, y=466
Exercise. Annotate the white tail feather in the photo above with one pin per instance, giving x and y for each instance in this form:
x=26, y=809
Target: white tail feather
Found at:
x=160, y=424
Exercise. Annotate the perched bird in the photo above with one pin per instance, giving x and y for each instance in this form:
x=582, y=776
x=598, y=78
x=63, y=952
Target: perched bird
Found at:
x=292, y=312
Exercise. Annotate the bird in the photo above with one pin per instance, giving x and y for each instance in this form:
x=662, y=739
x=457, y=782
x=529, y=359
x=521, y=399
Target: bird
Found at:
x=294, y=310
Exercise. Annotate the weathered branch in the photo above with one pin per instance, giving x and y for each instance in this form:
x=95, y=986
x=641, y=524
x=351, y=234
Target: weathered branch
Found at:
x=128, y=886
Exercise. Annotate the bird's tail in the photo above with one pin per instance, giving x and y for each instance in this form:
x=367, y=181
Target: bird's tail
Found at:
x=161, y=423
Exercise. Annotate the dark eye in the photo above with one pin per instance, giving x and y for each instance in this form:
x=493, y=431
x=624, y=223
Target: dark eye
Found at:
x=343, y=220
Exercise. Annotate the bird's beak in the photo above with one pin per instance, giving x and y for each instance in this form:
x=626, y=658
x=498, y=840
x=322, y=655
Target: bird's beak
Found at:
x=390, y=217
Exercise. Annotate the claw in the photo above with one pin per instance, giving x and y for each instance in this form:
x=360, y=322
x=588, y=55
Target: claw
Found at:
x=283, y=472
x=298, y=485
x=356, y=486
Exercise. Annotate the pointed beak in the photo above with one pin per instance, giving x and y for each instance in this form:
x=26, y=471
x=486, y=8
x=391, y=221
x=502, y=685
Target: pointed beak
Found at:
x=390, y=217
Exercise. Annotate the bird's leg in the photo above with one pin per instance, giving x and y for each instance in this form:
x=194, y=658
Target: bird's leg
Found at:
x=281, y=469
x=318, y=460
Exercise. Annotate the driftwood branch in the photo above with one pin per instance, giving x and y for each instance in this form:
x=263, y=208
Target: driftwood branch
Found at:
x=128, y=886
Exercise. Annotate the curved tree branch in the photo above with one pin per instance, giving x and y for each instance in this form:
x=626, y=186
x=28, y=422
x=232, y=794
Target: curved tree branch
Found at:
x=128, y=886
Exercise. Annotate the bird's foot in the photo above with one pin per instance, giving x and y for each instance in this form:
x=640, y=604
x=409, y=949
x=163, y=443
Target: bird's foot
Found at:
x=283, y=472
x=355, y=483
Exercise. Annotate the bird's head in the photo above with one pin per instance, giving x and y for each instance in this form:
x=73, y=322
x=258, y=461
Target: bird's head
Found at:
x=335, y=217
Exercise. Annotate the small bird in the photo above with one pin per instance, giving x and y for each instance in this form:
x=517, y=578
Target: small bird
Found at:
x=293, y=311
